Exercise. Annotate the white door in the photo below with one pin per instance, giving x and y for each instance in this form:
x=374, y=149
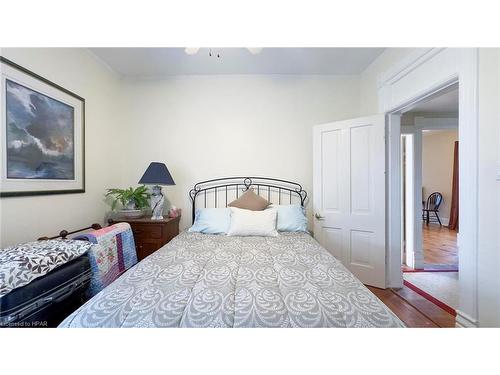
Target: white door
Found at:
x=349, y=194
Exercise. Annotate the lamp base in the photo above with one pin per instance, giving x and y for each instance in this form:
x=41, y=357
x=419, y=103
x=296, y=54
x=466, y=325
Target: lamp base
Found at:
x=157, y=202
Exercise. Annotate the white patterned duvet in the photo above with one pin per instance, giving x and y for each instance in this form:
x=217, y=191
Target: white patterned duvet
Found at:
x=202, y=280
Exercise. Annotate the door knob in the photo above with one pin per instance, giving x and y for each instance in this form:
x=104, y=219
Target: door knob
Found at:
x=318, y=216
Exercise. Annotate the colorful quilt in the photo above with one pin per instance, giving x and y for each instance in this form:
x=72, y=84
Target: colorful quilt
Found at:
x=113, y=253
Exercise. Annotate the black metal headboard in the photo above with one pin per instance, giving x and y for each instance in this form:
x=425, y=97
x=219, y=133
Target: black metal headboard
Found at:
x=221, y=191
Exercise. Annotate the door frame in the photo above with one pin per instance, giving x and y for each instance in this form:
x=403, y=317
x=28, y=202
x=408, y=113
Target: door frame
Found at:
x=421, y=74
x=413, y=195
x=414, y=248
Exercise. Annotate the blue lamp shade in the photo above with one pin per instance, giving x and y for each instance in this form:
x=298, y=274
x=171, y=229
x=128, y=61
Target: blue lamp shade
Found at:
x=157, y=174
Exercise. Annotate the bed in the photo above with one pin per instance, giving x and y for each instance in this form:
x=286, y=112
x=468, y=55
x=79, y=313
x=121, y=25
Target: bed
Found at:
x=206, y=280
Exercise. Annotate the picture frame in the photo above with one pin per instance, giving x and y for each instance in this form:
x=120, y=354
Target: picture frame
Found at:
x=42, y=135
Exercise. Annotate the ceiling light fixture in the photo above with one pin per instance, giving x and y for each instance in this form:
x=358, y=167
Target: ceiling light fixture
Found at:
x=210, y=54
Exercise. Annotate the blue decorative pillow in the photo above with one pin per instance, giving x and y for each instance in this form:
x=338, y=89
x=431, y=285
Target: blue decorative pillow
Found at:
x=211, y=220
x=291, y=218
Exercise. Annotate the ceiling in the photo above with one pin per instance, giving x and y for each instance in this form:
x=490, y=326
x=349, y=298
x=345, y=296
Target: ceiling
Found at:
x=159, y=62
x=446, y=102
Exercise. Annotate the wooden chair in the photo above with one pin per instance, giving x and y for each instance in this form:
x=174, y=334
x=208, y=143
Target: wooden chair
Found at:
x=432, y=205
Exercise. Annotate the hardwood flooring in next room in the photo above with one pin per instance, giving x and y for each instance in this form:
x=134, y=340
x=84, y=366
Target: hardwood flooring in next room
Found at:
x=440, y=245
x=414, y=310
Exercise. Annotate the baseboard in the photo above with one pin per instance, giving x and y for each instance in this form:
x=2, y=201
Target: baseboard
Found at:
x=465, y=321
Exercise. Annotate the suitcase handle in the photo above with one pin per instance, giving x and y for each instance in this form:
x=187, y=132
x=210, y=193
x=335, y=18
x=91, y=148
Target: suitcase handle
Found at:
x=46, y=300
x=62, y=296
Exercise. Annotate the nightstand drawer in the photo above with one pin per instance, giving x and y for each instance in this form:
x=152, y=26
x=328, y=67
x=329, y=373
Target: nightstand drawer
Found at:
x=150, y=235
x=147, y=247
x=147, y=231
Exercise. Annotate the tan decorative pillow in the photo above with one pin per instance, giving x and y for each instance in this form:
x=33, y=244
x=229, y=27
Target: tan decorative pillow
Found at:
x=250, y=201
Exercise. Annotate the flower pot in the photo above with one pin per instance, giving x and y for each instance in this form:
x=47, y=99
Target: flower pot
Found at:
x=131, y=214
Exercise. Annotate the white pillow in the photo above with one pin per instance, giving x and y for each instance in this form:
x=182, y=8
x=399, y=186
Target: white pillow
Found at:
x=253, y=223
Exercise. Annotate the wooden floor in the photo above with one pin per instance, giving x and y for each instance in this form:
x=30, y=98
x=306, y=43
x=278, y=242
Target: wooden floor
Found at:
x=440, y=245
x=440, y=248
x=414, y=310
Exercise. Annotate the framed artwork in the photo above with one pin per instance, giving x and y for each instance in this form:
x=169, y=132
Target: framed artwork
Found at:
x=42, y=135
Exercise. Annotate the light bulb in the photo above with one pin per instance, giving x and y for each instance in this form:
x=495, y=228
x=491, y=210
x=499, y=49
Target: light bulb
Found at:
x=254, y=50
x=191, y=50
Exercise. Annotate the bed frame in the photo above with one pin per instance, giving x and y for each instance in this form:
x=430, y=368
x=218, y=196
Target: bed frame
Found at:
x=64, y=233
x=221, y=191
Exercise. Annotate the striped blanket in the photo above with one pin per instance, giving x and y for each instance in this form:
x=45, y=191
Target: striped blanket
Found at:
x=113, y=253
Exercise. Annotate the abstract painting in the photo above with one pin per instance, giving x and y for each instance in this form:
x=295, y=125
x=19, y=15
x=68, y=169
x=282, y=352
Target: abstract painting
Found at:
x=42, y=135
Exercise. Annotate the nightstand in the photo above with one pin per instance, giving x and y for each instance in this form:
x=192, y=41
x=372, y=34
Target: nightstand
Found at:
x=150, y=235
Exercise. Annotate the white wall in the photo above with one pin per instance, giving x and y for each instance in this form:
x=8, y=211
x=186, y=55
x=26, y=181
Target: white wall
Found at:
x=26, y=218
x=369, y=103
x=200, y=126
x=437, y=167
x=489, y=187
x=204, y=127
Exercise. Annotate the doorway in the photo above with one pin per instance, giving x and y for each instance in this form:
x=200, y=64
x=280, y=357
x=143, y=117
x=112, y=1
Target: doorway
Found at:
x=420, y=75
x=429, y=198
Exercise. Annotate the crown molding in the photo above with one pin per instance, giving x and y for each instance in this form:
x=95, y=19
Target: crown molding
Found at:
x=405, y=66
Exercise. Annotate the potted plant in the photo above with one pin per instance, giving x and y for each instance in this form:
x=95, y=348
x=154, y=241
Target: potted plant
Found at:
x=133, y=201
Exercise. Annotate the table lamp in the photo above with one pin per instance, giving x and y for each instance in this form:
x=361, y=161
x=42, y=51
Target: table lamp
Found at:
x=157, y=174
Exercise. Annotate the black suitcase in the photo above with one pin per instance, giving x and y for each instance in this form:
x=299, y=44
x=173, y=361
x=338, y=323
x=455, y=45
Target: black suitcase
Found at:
x=46, y=301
